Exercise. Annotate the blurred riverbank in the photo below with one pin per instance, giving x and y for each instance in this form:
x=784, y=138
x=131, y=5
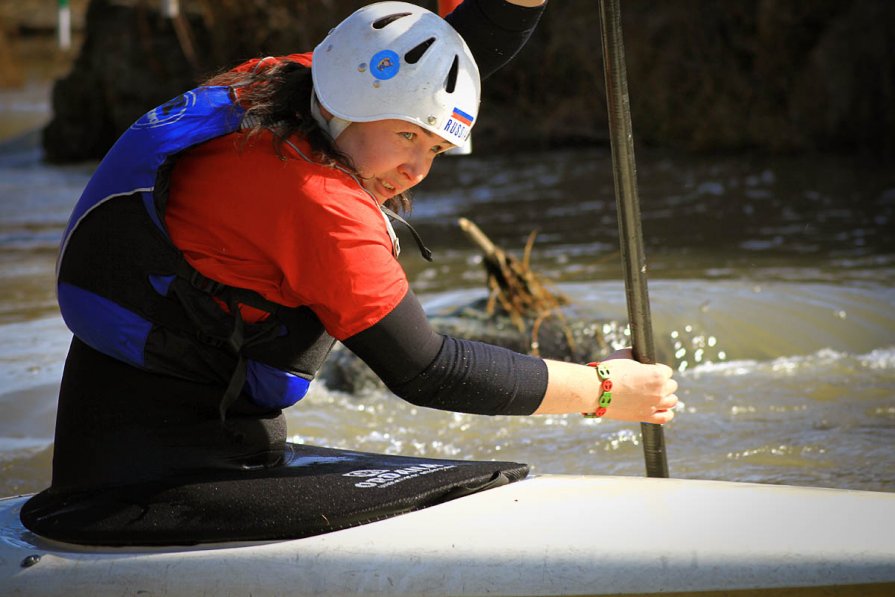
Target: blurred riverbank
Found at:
x=781, y=77
x=31, y=61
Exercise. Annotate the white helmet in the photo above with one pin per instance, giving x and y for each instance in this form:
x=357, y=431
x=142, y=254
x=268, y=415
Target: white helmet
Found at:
x=398, y=60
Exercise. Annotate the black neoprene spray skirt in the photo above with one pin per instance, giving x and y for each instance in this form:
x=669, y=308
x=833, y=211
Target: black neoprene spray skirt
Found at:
x=142, y=459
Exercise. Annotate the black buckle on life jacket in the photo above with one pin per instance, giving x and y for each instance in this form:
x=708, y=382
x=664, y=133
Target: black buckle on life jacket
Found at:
x=210, y=340
x=206, y=285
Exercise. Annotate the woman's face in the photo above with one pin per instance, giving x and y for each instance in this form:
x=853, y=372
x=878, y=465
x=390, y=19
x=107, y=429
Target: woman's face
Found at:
x=391, y=156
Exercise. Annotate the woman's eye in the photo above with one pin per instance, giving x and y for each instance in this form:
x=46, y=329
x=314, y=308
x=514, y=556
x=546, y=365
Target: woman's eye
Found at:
x=409, y=136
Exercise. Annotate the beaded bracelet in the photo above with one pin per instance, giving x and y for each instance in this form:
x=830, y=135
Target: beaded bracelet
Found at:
x=605, y=390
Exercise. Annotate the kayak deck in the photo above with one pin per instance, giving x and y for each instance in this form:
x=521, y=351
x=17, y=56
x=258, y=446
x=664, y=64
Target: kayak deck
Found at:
x=546, y=535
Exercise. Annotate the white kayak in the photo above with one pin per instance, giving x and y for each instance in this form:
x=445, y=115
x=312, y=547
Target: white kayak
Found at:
x=545, y=535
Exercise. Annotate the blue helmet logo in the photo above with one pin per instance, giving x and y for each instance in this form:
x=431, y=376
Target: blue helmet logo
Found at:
x=385, y=64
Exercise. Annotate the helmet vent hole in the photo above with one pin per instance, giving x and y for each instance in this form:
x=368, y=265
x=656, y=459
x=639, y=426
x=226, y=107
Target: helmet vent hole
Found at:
x=414, y=55
x=451, y=81
x=385, y=21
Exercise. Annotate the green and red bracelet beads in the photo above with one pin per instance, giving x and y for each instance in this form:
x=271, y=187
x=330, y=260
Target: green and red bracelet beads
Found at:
x=605, y=390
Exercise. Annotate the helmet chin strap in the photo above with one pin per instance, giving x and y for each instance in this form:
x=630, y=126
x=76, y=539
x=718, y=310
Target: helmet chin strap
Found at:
x=335, y=126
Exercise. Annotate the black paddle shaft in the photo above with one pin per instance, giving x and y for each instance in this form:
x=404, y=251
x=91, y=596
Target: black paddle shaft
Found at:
x=628, y=204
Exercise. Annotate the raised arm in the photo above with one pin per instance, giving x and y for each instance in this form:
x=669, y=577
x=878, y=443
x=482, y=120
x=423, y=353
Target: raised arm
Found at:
x=495, y=30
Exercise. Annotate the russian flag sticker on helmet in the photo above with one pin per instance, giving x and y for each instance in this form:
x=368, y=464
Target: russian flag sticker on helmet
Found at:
x=458, y=125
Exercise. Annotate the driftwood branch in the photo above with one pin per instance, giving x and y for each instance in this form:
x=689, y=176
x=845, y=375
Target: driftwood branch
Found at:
x=523, y=295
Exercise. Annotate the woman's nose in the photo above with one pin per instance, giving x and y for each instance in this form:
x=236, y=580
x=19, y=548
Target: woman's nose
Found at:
x=415, y=168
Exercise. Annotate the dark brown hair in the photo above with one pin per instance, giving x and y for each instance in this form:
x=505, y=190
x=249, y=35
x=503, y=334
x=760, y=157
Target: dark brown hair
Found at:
x=278, y=98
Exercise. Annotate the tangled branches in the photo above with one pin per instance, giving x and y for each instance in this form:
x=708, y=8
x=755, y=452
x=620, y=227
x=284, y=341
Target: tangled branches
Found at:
x=516, y=289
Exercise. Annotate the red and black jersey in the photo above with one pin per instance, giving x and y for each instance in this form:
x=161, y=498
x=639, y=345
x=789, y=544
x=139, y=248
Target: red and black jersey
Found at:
x=297, y=232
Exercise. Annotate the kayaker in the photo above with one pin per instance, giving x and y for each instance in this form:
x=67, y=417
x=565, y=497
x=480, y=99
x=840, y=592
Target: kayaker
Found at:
x=231, y=236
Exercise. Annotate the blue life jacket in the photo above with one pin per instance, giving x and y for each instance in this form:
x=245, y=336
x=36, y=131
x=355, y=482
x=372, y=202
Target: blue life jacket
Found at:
x=126, y=290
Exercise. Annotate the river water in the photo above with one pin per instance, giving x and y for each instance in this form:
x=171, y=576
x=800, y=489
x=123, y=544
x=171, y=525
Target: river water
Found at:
x=772, y=284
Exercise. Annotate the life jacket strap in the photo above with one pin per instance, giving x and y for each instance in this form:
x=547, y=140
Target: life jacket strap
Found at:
x=237, y=339
x=236, y=342
x=205, y=284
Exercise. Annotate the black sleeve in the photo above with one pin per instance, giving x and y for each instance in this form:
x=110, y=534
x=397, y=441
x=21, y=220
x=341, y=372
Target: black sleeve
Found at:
x=435, y=371
x=494, y=30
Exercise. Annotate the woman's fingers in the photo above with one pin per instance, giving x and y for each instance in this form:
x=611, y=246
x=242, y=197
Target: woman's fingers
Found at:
x=667, y=402
x=670, y=387
x=642, y=392
x=661, y=417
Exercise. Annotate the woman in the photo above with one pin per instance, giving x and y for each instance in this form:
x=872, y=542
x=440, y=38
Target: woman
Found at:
x=231, y=236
